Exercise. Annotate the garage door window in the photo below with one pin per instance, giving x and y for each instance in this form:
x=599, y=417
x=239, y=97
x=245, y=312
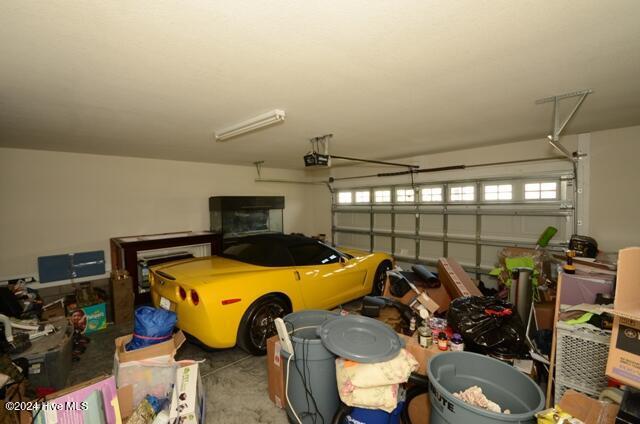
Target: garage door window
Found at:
x=383, y=196
x=462, y=194
x=362, y=197
x=405, y=195
x=432, y=194
x=498, y=192
x=344, y=197
x=541, y=191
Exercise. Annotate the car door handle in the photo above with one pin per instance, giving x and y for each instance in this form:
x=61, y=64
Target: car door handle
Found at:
x=297, y=274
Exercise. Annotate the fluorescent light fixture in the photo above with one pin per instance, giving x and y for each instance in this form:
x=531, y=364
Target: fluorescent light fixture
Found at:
x=251, y=124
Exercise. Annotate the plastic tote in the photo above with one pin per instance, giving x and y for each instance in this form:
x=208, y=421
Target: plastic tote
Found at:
x=374, y=416
x=312, y=387
x=456, y=371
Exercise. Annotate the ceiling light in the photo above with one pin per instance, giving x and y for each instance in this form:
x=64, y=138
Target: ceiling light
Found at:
x=251, y=124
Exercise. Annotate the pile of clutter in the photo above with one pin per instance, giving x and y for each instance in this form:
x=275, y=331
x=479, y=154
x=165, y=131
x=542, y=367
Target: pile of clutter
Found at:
x=18, y=300
x=50, y=336
x=422, y=315
x=147, y=386
x=325, y=358
x=152, y=386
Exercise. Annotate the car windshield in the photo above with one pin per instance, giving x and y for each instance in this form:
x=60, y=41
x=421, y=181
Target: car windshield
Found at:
x=259, y=253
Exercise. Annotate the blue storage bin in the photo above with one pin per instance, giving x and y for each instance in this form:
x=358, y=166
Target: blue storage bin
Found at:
x=374, y=416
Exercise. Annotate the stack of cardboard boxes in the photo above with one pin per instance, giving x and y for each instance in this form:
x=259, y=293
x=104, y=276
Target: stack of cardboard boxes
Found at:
x=113, y=399
x=623, y=364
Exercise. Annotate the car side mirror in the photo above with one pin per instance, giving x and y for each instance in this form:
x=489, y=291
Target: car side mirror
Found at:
x=343, y=260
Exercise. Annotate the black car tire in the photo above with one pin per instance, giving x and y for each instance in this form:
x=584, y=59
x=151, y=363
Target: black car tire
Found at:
x=257, y=324
x=380, y=278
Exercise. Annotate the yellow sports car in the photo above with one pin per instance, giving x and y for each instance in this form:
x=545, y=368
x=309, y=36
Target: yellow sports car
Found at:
x=234, y=298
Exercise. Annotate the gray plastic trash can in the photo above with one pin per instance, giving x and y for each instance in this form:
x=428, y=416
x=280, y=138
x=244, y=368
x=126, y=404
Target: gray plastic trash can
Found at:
x=501, y=383
x=312, y=387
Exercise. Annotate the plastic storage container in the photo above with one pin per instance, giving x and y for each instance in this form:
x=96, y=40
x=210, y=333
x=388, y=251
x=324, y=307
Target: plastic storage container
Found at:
x=501, y=383
x=50, y=357
x=581, y=359
x=312, y=387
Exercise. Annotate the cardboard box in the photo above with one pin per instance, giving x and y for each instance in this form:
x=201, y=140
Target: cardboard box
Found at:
x=56, y=310
x=428, y=303
x=623, y=363
x=122, y=298
x=150, y=370
x=422, y=355
x=588, y=410
x=275, y=372
x=96, y=317
x=125, y=401
x=455, y=279
x=88, y=319
x=170, y=347
x=187, y=400
x=420, y=410
x=627, y=302
x=439, y=295
x=127, y=405
x=545, y=315
x=95, y=400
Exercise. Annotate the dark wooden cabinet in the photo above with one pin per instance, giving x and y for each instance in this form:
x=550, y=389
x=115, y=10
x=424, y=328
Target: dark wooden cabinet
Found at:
x=125, y=251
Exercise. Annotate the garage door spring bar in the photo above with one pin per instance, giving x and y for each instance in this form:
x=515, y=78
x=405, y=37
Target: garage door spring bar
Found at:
x=558, y=127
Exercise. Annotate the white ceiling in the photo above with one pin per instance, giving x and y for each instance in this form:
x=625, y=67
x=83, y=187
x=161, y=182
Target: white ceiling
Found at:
x=387, y=78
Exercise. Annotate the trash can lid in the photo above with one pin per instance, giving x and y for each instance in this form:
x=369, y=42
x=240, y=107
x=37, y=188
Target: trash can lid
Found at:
x=360, y=339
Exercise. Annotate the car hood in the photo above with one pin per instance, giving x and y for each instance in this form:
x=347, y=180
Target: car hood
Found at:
x=205, y=268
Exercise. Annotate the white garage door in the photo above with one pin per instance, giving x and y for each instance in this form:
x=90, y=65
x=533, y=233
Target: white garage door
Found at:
x=467, y=219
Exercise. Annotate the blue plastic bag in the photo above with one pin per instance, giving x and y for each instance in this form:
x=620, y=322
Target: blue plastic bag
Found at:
x=151, y=326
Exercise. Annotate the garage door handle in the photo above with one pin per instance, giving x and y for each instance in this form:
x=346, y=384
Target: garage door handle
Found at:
x=297, y=274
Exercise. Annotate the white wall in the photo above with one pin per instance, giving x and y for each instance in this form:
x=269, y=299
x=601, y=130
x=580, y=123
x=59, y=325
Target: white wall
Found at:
x=55, y=202
x=614, y=206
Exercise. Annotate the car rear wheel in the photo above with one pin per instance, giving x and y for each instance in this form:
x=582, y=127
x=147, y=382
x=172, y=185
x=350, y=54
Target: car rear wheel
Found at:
x=257, y=324
x=380, y=278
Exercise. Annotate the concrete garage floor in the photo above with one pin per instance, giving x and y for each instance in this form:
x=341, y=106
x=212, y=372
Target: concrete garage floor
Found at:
x=235, y=383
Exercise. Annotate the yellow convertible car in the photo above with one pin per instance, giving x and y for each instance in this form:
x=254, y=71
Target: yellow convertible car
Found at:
x=234, y=298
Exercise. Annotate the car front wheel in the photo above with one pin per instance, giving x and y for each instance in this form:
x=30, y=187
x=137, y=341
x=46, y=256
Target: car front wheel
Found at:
x=258, y=324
